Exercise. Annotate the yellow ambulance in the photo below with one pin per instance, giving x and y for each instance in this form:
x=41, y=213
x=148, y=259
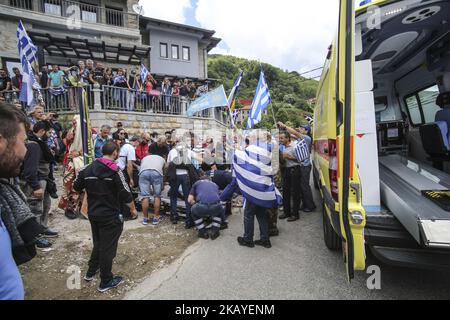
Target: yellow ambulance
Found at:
x=381, y=155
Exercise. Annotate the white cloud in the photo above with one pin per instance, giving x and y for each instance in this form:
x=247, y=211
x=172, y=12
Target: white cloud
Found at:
x=292, y=34
x=171, y=10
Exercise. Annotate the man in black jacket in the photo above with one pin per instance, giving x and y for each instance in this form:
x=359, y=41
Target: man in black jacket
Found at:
x=106, y=190
x=35, y=174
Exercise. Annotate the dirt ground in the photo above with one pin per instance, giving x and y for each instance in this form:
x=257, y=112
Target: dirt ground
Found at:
x=142, y=250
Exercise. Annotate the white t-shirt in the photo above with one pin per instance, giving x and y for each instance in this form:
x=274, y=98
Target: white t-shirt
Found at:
x=173, y=154
x=153, y=162
x=127, y=153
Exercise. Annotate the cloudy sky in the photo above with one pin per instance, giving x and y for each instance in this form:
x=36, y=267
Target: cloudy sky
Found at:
x=291, y=34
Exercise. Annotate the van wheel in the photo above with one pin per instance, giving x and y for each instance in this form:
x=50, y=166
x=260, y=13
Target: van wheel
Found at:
x=332, y=240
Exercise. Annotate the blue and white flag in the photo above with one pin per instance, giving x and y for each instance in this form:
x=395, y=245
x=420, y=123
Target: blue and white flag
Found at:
x=214, y=99
x=27, y=54
x=309, y=119
x=260, y=102
x=144, y=73
x=302, y=150
x=254, y=174
x=25, y=44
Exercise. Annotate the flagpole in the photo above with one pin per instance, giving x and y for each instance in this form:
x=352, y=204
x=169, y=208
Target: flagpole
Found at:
x=273, y=113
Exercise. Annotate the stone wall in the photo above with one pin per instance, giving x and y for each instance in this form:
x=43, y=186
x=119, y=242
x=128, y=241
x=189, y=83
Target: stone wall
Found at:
x=136, y=123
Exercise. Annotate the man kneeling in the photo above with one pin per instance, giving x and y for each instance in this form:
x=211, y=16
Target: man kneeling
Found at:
x=205, y=200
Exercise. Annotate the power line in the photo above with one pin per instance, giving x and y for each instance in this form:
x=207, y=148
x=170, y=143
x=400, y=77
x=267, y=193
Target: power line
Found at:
x=316, y=69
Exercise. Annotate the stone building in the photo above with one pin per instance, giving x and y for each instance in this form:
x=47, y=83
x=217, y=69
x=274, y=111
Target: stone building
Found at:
x=67, y=31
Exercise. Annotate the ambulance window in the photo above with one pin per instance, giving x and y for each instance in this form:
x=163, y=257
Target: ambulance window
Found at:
x=415, y=116
x=427, y=99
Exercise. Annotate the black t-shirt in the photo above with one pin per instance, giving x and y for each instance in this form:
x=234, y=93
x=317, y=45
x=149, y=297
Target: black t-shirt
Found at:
x=43, y=81
x=99, y=76
x=159, y=151
x=4, y=82
x=185, y=91
x=132, y=81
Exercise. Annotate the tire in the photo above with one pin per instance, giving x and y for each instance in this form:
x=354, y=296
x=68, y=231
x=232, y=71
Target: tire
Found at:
x=332, y=240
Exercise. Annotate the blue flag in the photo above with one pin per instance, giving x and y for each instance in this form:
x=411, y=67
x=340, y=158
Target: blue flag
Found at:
x=214, y=99
x=260, y=102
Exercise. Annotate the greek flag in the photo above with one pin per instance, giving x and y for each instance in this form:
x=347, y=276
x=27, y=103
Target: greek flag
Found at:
x=144, y=73
x=27, y=54
x=254, y=174
x=260, y=102
x=25, y=45
x=302, y=150
x=309, y=119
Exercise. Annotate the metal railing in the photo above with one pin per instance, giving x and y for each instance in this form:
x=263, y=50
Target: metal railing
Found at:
x=85, y=12
x=122, y=99
x=114, y=98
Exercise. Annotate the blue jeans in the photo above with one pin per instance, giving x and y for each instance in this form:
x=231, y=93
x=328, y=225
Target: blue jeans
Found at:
x=252, y=210
x=185, y=184
x=201, y=211
x=151, y=180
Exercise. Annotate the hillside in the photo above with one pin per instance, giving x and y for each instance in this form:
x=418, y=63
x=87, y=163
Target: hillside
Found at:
x=290, y=92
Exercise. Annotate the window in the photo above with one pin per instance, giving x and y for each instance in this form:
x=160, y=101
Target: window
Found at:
x=163, y=50
x=175, y=52
x=422, y=108
x=427, y=99
x=52, y=7
x=186, y=53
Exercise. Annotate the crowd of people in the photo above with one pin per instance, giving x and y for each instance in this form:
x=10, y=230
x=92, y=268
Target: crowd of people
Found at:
x=151, y=172
x=122, y=89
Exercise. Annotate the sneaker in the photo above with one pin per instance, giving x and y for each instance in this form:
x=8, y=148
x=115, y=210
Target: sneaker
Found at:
x=50, y=234
x=54, y=195
x=43, y=244
x=114, y=283
x=189, y=226
x=245, y=243
x=274, y=233
x=145, y=222
x=203, y=234
x=265, y=244
x=293, y=219
x=157, y=221
x=89, y=277
x=214, y=235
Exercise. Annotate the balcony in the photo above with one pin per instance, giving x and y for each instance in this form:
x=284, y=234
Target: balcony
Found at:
x=64, y=12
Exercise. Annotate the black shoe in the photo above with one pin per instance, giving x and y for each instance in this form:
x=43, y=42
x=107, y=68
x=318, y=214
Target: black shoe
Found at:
x=245, y=243
x=70, y=215
x=50, y=234
x=293, y=219
x=43, y=244
x=214, y=235
x=274, y=233
x=308, y=210
x=114, y=283
x=174, y=221
x=189, y=226
x=203, y=234
x=224, y=226
x=283, y=216
x=265, y=244
x=89, y=277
